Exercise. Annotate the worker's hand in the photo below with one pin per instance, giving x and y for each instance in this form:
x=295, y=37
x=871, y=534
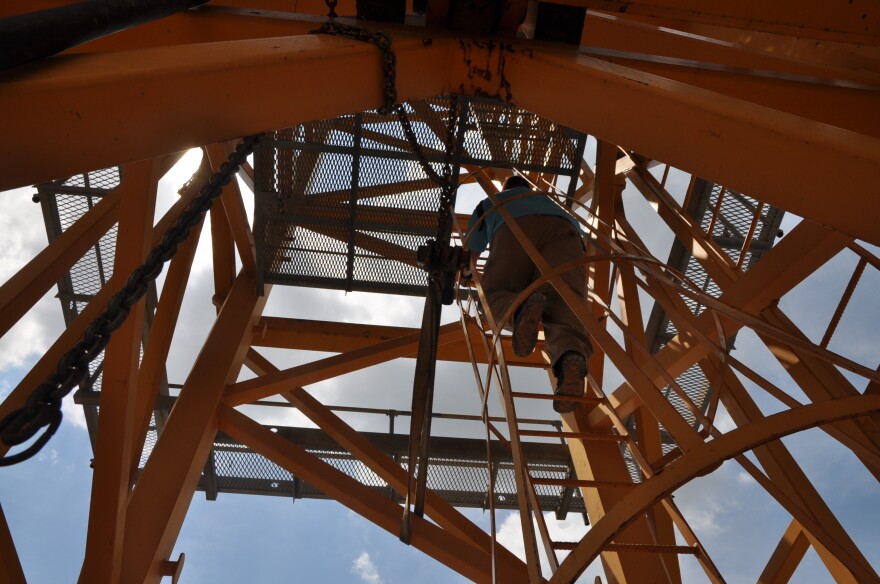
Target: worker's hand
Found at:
x=465, y=276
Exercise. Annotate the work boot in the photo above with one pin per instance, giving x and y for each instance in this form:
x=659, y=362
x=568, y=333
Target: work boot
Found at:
x=525, y=324
x=571, y=371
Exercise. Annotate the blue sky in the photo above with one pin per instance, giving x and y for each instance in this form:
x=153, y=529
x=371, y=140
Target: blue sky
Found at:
x=261, y=539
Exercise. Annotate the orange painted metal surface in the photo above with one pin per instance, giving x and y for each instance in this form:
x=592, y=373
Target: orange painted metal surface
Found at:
x=111, y=485
x=732, y=95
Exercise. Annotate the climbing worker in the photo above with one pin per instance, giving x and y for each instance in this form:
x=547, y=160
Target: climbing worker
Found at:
x=558, y=237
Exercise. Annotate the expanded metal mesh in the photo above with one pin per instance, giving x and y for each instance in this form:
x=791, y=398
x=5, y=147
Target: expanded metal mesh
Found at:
x=461, y=480
x=63, y=203
x=515, y=137
x=344, y=203
x=732, y=221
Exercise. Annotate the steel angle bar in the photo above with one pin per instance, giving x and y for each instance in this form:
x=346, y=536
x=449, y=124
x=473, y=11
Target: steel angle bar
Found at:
x=422, y=407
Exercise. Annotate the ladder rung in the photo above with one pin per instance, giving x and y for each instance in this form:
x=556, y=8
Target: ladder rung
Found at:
x=581, y=399
x=597, y=436
x=642, y=548
x=582, y=483
x=646, y=548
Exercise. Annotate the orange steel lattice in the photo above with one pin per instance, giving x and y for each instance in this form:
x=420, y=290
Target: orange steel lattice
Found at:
x=760, y=110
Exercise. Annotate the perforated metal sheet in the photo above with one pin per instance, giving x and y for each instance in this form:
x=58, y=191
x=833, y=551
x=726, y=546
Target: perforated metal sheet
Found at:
x=344, y=204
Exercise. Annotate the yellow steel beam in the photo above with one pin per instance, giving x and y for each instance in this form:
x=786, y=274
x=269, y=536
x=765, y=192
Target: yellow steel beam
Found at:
x=111, y=484
x=605, y=196
x=158, y=343
x=852, y=56
x=209, y=24
x=813, y=91
x=438, y=543
x=29, y=284
x=341, y=337
x=692, y=129
x=160, y=501
x=10, y=566
x=253, y=389
x=136, y=104
x=837, y=20
x=786, y=557
x=647, y=426
x=380, y=190
x=222, y=246
x=837, y=569
x=687, y=126
x=656, y=42
x=697, y=462
x=233, y=207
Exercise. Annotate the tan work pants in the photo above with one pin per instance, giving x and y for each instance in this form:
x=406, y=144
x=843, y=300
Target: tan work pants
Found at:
x=509, y=271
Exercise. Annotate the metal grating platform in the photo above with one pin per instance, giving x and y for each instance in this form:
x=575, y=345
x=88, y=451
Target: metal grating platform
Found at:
x=344, y=203
x=458, y=469
x=62, y=203
x=733, y=219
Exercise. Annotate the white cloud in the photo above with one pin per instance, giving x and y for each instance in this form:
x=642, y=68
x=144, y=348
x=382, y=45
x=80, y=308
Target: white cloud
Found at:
x=73, y=413
x=50, y=456
x=366, y=570
x=572, y=529
x=22, y=236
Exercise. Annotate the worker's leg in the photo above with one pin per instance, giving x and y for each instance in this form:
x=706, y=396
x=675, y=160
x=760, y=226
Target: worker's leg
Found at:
x=563, y=332
x=508, y=270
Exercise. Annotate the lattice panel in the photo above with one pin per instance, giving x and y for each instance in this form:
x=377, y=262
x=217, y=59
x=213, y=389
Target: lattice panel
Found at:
x=460, y=480
x=345, y=204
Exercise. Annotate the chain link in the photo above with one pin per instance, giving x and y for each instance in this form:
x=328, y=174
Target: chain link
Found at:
x=389, y=59
x=444, y=181
x=43, y=406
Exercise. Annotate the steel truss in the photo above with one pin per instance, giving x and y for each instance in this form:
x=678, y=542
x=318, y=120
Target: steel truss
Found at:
x=659, y=86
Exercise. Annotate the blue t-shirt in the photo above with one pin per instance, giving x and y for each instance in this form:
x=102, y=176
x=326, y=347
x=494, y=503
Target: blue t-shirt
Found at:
x=536, y=203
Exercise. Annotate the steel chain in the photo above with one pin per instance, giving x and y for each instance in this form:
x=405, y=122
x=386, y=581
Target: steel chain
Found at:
x=389, y=59
x=43, y=406
x=390, y=105
x=444, y=181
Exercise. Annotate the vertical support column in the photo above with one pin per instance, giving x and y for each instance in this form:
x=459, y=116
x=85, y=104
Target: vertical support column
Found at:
x=647, y=426
x=113, y=449
x=598, y=273
x=165, y=489
x=352, y=212
x=224, y=253
x=152, y=370
x=10, y=566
